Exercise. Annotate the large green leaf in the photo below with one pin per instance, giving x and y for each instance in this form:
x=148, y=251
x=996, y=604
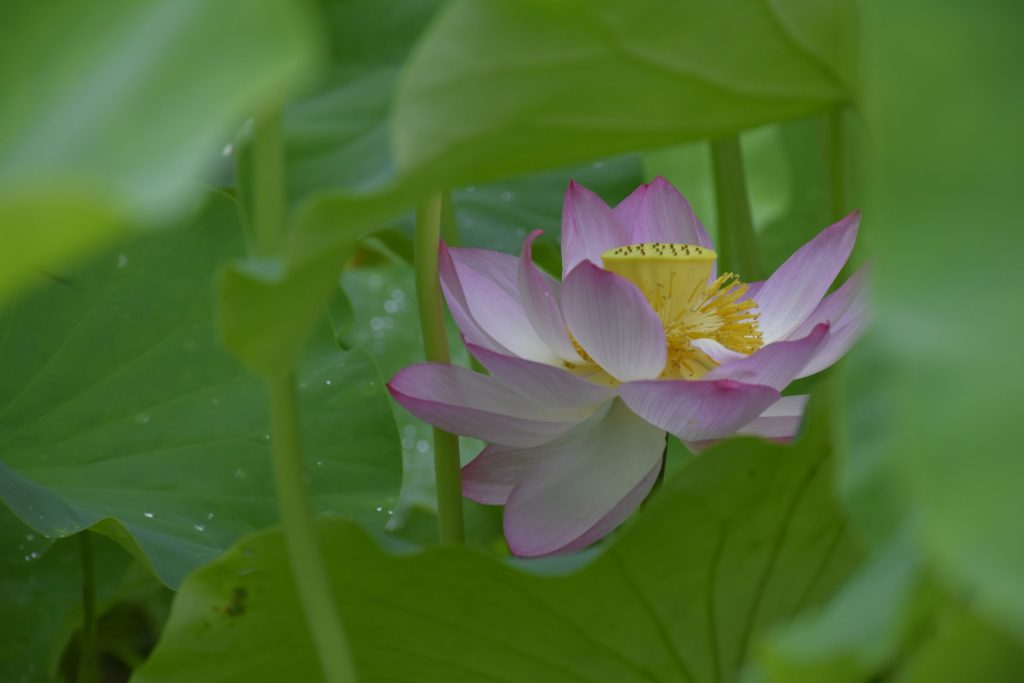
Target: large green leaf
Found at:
x=743, y=538
x=855, y=635
x=966, y=648
x=338, y=137
x=118, y=408
x=42, y=597
x=497, y=88
x=941, y=376
x=116, y=108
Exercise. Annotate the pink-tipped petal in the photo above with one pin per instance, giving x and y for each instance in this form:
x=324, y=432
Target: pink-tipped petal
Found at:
x=774, y=365
x=464, y=402
x=833, y=306
x=794, y=290
x=614, y=323
x=454, y=295
x=779, y=422
x=589, y=228
x=540, y=297
x=844, y=334
x=489, y=282
x=698, y=410
x=657, y=212
x=546, y=384
x=584, y=485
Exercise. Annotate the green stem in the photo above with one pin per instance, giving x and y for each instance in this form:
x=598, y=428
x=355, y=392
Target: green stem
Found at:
x=88, y=663
x=435, y=344
x=737, y=243
x=449, y=224
x=836, y=161
x=307, y=563
x=304, y=554
x=267, y=201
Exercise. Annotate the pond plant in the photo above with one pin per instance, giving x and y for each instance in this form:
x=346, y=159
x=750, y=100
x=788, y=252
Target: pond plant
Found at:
x=511, y=341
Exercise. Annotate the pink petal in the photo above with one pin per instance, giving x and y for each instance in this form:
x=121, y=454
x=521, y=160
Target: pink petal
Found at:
x=833, y=306
x=540, y=297
x=546, y=384
x=464, y=402
x=697, y=411
x=779, y=422
x=794, y=290
x=589, y=228
x=584, y=485
x=774, y=365
x=716, y=351
x=752, y=289
x=657, y=212
x=844, y=334
x=613, y=322
x=487, y=283
x=490, y=477
x=459, y=306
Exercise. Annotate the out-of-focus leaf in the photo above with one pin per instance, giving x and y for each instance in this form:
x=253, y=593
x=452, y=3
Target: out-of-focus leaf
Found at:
x=856, y=634
x=966, y=648
x=119, y=409
x=42, y=599
x=941, y=374
x=269, y=309
x=338, y=136
x=510, y=86
x=114, y=110
x=746, y=538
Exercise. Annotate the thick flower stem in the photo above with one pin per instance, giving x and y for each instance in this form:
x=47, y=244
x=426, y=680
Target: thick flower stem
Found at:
x=307, y=563
x=305, y=558
x=737, y=243
x=435, y=345
x=267, y=202
x=88, y=664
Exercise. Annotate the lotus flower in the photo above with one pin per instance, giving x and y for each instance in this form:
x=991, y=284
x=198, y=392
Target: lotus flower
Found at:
x=641, y=337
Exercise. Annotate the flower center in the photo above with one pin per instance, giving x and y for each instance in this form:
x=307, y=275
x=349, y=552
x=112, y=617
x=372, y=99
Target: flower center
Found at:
x=676, y=279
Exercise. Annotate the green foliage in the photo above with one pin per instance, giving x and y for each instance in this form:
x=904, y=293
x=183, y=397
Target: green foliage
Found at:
x=42, y=598
x=115, y=109
x=856, y=634
x=119, y=408
x=739, y=540
x=120, y=411
x=937, y=390
x=504, y=87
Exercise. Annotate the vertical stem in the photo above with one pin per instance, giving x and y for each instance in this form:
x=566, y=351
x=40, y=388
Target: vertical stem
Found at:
x=435, y=343
x=449, y=224
x=304, y=554
x=737, y=246
x=88, y=663
x=268, y=203
x=836, y=161
x=305, y=558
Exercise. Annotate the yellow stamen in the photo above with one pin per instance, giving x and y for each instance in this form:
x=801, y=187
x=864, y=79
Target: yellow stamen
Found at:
x=675, y=280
